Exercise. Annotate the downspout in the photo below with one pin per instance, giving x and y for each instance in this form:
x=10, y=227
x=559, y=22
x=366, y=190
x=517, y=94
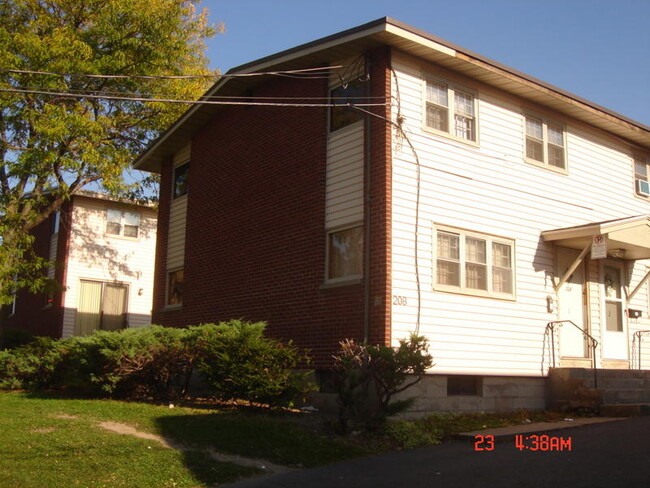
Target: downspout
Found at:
x=367, y=204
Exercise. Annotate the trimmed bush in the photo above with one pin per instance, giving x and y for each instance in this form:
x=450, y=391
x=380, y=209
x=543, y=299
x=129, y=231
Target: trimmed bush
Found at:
x=239, y=362
x=157, y=362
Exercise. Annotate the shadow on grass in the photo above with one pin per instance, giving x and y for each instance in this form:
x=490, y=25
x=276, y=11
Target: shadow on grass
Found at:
x=266, y=438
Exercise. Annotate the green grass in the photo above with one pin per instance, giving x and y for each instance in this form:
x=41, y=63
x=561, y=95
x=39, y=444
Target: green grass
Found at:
x=56, y=442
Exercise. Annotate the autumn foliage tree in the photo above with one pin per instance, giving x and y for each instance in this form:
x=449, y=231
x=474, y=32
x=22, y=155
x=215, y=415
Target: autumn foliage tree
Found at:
x=60, y=130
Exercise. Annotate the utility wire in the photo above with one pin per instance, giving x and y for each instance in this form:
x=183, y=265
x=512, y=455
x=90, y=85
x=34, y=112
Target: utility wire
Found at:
x=189, y=102
x=307, y=71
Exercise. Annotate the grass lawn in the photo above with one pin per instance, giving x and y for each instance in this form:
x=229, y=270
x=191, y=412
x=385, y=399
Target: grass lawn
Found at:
x=56, y=442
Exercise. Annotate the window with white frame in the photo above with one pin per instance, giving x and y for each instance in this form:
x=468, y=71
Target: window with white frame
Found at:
x=641, y=182
x=473, y=263
x=345, y=254
x=545, y=142
x=450, y=109
x=121, y=223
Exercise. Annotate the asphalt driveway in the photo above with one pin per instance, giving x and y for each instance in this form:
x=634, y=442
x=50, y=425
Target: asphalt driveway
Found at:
x=607, y=455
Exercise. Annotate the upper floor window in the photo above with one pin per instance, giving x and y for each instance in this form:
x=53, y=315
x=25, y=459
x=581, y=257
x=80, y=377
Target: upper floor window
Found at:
x=181, y=174
x=341, y=113
x=473, y=263
x=450, y=109
x=56, y=221
x=641, y=182
x=125, y=224
x=545, y=142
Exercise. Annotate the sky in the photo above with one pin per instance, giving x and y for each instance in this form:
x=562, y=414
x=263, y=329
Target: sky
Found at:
x=596, y=49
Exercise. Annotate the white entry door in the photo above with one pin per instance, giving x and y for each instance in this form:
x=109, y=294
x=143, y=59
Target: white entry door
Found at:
x=571, y=298
x=615, y=322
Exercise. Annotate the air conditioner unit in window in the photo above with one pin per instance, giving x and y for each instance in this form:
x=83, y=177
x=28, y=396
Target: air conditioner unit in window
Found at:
x=643, y=188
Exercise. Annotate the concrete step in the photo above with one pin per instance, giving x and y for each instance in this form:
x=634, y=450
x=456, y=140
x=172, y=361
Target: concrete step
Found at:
x=626, y=410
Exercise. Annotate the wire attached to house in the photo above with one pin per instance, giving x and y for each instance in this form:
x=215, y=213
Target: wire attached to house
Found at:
x=399, y=126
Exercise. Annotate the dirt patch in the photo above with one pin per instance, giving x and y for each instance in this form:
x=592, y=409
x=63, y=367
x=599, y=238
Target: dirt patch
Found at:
x=128, y=430
x=44, y=430
x=217, y=456
x=64, y=416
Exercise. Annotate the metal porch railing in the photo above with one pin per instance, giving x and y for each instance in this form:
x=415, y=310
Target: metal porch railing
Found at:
x=637, y=339
x=593, y=343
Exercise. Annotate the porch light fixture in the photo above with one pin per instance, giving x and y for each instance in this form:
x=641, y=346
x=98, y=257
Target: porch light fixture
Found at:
x=617, y=253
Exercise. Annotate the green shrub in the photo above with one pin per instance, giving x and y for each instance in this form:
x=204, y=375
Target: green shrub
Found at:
x=368, y=377
x=13, y=338
x=240, y=363
x=34, y=365
x=410, y=434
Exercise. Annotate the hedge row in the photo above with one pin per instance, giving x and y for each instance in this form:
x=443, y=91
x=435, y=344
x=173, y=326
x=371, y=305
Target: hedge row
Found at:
x=234, y=358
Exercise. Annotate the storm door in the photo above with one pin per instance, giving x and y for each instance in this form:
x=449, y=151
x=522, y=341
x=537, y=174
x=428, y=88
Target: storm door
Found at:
x=615, y=330
x=572, y=299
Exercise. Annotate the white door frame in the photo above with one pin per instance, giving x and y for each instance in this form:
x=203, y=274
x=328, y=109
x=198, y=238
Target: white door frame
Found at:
x=614, y=334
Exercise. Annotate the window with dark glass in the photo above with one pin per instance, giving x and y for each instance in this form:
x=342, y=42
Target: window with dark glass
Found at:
x=342, y=114
x=181, y=174
x=175, y=287
x=345, y=253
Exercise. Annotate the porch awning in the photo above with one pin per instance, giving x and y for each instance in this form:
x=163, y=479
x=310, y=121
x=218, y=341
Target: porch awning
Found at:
x=627, y=238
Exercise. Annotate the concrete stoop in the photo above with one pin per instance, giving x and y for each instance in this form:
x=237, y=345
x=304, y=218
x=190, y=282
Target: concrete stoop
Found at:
x=607, y=392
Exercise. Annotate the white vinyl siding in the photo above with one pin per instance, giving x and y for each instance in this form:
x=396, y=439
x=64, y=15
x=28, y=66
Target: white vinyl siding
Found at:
x=487, y=189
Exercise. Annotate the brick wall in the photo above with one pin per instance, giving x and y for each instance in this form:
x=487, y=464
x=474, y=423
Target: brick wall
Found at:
x=256, y=240
x=32, y=311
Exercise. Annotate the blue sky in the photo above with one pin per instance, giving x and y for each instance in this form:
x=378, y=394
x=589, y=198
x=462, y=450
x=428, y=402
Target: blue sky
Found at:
x=597, y=49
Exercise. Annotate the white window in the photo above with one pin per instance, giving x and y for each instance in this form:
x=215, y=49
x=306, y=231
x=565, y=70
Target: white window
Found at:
x=125, y=224
x=345, y=254
x=473, y=263
x=545, y=142
x=450, y=109
x=641, y=182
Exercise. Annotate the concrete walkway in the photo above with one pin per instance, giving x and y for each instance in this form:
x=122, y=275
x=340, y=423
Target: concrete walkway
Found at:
x=604, y=453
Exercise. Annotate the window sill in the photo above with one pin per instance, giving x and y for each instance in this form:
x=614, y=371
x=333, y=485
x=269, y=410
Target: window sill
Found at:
x=447, y=135
x=172, y=308
x=338, y=284
x=548, y=167
x=476, y=294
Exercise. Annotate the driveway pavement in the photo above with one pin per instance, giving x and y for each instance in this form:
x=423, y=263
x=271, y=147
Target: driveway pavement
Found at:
x=602, y=455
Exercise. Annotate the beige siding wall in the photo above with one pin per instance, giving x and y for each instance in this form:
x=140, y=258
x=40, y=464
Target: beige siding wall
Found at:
x=177, y=220
x=97, y=256
x=488, y=187
x=344, y=189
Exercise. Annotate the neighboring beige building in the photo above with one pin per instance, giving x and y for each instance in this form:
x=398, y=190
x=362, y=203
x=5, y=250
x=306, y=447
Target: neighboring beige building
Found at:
x=104, y=252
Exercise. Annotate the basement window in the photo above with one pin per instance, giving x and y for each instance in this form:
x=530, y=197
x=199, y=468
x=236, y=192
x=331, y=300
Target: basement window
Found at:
x=464, y=385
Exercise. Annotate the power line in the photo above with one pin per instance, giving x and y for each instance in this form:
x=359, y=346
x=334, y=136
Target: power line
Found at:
x=248, y=102
x=307, y=71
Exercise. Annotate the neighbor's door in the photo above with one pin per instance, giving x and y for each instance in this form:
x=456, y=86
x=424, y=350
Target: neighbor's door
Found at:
x=571, y=297
x=615, y=323
x=100, y=306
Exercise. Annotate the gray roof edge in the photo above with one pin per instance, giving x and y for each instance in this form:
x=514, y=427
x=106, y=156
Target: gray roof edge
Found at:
x=139, y=161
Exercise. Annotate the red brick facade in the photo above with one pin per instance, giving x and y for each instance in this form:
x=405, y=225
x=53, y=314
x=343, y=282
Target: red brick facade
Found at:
x=255, y=239
x=42, y=314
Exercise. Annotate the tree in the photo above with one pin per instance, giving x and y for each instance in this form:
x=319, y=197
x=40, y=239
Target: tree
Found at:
x=54, y=145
